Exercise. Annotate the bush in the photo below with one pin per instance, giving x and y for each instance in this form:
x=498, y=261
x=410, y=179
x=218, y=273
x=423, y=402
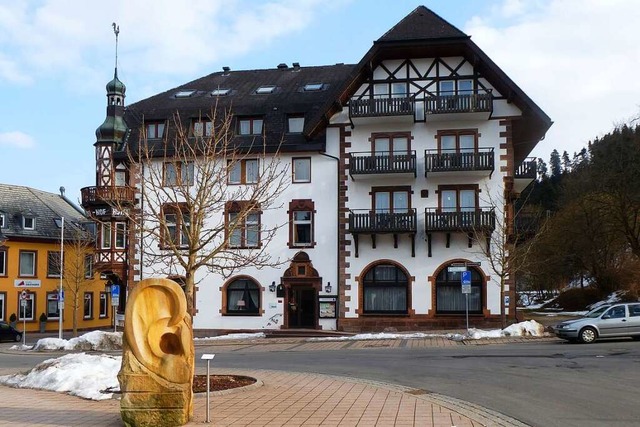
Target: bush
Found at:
x=576, y=299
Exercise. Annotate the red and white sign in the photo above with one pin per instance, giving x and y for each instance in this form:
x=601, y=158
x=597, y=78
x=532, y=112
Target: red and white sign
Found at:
x=23, y=283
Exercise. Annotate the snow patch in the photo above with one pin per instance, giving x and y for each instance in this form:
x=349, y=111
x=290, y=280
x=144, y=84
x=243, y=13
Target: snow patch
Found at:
x=95, y=340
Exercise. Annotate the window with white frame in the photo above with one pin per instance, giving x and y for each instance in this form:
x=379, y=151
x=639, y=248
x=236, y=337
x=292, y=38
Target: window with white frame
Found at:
x=295, y=124
x=88, y=267
x=53, y=311
x=104, y=306
x=3, y=262
x=105, y=234
x=121, y=235
x=87, y=311
x=243, y=171
x=301, y=169
x=28, y=223
x=26, y=308
x=27, y=264
x=53, y=264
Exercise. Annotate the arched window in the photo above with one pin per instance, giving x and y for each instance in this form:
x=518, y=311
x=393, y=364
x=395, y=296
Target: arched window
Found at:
x=385, y=290
x=449, y=296
x=243, y=297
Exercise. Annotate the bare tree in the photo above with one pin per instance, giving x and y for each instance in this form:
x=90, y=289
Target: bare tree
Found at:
x=506, y=243
x=78, y=261
x=202, y=200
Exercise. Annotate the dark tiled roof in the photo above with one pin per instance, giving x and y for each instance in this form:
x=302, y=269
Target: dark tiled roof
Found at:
x=17, y=201
x=288, y=98
x=421, y=24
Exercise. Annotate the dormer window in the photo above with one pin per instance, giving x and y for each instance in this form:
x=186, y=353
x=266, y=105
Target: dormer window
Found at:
x=313, y=87
x=295, y=124
x=3, y=222
x=202, y=128
x=155, y=130
x=184, y=93
x=220, y=92
x=58, y=222
x=250, y=126
x=263, y=90
x=28, y=223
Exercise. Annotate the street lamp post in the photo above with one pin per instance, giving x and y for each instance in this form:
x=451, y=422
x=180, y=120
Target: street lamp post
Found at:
x=60, y=300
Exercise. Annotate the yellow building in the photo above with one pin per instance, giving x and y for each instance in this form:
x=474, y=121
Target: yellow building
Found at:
x=31, y=225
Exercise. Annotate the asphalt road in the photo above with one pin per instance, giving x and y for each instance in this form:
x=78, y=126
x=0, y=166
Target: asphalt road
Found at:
x=543, y=384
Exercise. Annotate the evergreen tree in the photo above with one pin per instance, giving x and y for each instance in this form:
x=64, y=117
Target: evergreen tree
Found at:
x=566, y=162
x=555, y=164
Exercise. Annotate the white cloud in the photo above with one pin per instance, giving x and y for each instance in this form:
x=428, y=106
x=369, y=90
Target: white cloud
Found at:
x=16, y=139
x=577, y=59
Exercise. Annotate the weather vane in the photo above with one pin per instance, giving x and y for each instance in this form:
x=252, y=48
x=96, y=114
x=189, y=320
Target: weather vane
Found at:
x=116, y=31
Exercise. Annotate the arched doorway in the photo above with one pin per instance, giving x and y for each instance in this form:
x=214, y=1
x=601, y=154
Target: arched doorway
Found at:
x=449, y=298
x=302, y=285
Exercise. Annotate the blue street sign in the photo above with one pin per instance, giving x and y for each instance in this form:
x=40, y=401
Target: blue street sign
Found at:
x=465, y=277
x=115, y=291
x=61, y=296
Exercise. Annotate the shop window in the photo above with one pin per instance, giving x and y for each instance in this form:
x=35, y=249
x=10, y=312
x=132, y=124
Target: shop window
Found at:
x=26, y=308
x=449, y=296
x=243, y=297
x=53, y=311
x=385, y=290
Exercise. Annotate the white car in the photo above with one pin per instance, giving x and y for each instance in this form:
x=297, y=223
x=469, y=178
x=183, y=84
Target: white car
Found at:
x=608, y=321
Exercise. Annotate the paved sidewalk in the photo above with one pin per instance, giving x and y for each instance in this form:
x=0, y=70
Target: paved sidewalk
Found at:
x=278, y=398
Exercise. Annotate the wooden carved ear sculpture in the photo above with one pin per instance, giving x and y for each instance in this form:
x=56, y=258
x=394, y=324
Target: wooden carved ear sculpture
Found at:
x=157, y=364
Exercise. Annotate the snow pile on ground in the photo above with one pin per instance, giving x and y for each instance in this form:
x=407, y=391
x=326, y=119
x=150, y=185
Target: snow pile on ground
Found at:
x=379, y=336
x=522, y=329
x=234, y=337
x=79, y=374
x=95, y=340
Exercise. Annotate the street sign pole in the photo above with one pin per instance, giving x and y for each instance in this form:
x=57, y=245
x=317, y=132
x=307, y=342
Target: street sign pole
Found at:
x=61, y=304
x=465, y=282
x=23, y=302
x=115, y=301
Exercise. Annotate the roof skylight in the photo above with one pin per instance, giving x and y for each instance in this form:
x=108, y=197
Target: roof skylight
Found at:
x=265, y=89
x=313, y=87
x=184, y=93
x=220, y=92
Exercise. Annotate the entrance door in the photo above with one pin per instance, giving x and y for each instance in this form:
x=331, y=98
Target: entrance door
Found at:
x=302, y=307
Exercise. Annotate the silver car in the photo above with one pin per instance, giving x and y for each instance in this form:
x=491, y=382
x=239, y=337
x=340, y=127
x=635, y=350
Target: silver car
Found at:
x=615, y=320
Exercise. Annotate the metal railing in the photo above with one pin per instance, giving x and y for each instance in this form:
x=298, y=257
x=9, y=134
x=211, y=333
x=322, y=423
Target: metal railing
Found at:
x=472, y=220
x=382, y=221
x=376, y=107
x=382, y=162
x=453, y=161
x=459, y=103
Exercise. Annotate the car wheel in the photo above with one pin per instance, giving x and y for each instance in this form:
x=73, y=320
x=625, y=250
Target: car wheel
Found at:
x=18, y=337
x=588, y=335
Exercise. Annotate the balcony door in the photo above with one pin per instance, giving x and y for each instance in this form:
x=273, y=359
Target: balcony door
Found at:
x=460, y=203
x=391, y=152
x=387, y=204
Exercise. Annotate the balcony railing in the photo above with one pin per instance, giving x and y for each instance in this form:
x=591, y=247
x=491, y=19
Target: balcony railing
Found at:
x=528, y=169
x=382, y=221
x=112, y=194
x=453, y=161
x=476, y=220
x=378, y=107
x=382, y=162
x=459, y=103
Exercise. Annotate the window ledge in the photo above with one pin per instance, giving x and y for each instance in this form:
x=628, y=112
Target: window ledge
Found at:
x=242, y=314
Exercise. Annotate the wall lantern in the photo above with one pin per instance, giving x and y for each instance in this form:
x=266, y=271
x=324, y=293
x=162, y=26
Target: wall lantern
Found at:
x=272, y=287
x=327, y=288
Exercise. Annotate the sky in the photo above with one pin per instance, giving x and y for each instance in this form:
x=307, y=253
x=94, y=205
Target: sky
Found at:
x=94, y=376
x=577, y=60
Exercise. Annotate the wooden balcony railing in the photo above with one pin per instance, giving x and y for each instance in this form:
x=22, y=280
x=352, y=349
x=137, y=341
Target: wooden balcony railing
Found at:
x=528, y=169
x=106, y=195
x=458, y=103
x=382, y=221
x=378, y=107
x=476, y=220
x=452, y=161
x=382, y=162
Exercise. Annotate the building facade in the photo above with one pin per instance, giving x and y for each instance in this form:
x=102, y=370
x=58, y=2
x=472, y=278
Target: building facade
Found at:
x=31, y=226
x=401, y=168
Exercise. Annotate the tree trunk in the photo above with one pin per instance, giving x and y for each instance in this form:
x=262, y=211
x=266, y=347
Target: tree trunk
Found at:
x=75, y=318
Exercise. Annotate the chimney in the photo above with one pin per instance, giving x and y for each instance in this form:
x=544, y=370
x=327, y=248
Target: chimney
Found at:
x=225, y=71
x=62, y=191
x=296, y=66
x=282, y=66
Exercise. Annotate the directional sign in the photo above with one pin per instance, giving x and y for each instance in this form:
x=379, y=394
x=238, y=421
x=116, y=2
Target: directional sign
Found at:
x=465, y=280
x=456, y=268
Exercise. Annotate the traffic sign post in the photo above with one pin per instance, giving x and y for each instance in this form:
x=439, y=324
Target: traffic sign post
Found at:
x=24, y=296
x=465, y=281
x=115, y=301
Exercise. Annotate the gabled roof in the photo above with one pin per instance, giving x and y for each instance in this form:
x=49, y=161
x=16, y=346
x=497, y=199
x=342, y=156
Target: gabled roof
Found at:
x=421, y=24
x=17, y=202
x=288, y=98
x=424, y=34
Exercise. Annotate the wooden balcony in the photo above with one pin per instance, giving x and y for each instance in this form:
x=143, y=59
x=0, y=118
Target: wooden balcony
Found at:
x=482, y=161
x=481, y=220
x=363, y=221
x=92, y=196
x=474, y=103
x=382, y=163
x=525, y=174
x=381, y=107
